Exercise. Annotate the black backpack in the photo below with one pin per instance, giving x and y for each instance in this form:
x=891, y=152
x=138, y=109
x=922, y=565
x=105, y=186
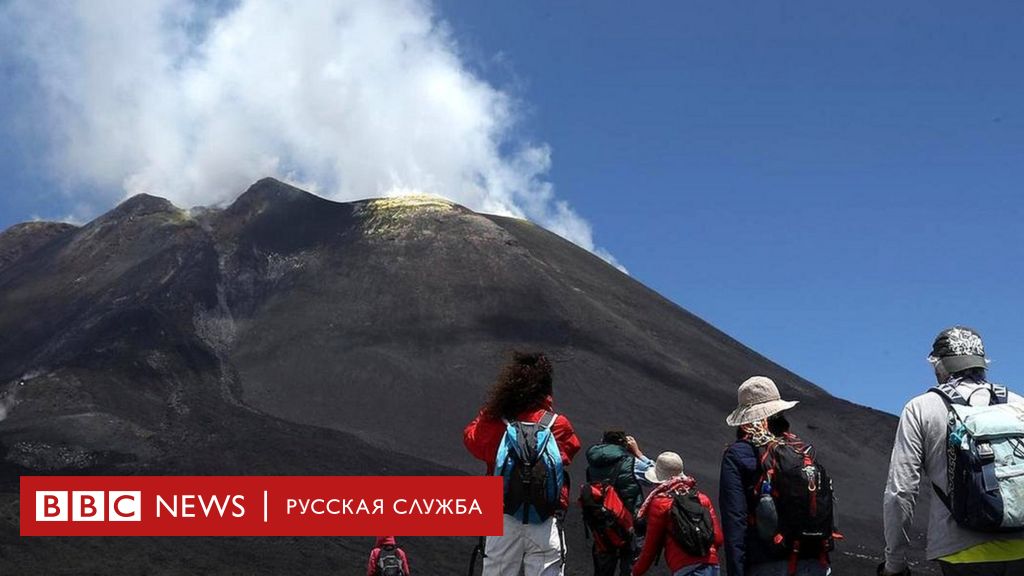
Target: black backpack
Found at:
x=801, y=491
x=691, y=524
x=530, y=464
x=388, y=562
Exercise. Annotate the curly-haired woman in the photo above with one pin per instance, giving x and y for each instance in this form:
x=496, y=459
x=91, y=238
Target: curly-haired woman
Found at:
x=523, y=393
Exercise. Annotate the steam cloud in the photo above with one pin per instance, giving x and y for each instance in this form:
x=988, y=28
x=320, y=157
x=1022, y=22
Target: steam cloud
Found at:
x=349, y=98
x=8, y=399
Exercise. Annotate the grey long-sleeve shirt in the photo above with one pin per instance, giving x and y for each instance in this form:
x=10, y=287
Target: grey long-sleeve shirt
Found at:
x=919, y=460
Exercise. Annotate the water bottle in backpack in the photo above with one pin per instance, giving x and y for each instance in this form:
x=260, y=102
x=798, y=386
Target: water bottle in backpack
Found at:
x=765, y=515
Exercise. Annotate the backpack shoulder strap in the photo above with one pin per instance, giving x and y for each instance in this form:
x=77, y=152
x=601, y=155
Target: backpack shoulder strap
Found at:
x=545, y=423
x=765, y=451
x=547, y=419
x=947, y=390
x=942, y=496
x=950, y=397
x=684, y=497
x=1000, y=395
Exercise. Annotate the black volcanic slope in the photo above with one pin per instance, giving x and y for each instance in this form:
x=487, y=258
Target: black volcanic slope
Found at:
x=287, y=334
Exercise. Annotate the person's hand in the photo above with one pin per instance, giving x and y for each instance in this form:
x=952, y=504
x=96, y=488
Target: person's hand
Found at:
x=633, y=447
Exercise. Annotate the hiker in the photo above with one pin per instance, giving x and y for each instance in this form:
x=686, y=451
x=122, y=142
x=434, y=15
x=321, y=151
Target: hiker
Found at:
x=521, y=438
x=680, y=520
x=616, y=464
x=775, y=499
x=387, y=559
x=977, y=507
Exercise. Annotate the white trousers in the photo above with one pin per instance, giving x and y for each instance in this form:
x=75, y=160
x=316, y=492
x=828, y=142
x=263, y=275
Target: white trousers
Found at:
x=535, y=548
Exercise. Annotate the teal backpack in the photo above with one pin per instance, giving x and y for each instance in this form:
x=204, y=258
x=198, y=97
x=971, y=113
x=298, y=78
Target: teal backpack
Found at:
x=985, y=480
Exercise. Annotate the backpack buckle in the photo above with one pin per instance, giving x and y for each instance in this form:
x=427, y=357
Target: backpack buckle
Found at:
x=985, y=452
x=812, y=478
x=526, y=477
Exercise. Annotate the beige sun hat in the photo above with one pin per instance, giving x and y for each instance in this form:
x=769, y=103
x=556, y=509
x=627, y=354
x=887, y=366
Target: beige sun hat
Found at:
x=758, y=399
x=667, y=466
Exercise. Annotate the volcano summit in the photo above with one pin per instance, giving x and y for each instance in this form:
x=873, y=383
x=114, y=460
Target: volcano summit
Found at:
x=288, y=334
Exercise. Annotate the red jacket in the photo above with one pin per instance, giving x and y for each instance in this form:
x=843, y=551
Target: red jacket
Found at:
x=371, y=566
x=483, y=435
x=659, y=518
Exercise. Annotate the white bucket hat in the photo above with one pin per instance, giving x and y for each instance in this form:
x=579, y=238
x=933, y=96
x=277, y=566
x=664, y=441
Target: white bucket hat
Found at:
x=758, y=399
x=667, y=466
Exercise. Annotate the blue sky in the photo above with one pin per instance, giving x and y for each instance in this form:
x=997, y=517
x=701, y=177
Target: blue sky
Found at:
x=831, y=185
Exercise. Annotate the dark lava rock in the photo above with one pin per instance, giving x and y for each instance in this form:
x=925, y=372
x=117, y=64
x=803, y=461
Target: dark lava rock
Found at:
x=21, y=240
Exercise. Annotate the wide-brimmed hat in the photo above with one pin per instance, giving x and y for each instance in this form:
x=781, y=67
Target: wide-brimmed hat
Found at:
x=758, y=399
x=959, y=348
x=667, y=466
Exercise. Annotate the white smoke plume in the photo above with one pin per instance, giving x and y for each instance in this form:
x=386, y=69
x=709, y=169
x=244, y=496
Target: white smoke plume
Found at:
x=349, y=98
x=9, y=398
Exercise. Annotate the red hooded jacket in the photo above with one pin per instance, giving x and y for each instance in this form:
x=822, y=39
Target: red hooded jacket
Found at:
x=371, y=566
x=483, y=435
x=659, y=517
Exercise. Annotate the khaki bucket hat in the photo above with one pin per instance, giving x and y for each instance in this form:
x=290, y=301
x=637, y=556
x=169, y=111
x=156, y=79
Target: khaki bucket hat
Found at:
x=758, y=399
x=667, y=466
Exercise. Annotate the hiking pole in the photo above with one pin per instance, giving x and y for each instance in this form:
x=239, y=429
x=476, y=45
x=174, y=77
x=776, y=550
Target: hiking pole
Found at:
x=559, y=516
x=478, y=550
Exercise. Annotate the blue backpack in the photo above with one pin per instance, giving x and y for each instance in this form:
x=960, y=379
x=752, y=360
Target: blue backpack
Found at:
x=529, y=462
x=985, y=479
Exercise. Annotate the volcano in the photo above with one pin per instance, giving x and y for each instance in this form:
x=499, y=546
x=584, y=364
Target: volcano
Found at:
x=288, y=334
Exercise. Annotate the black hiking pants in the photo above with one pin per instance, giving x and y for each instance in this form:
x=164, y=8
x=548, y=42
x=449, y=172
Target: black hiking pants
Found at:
x=606, y=562
x=1014, y=568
